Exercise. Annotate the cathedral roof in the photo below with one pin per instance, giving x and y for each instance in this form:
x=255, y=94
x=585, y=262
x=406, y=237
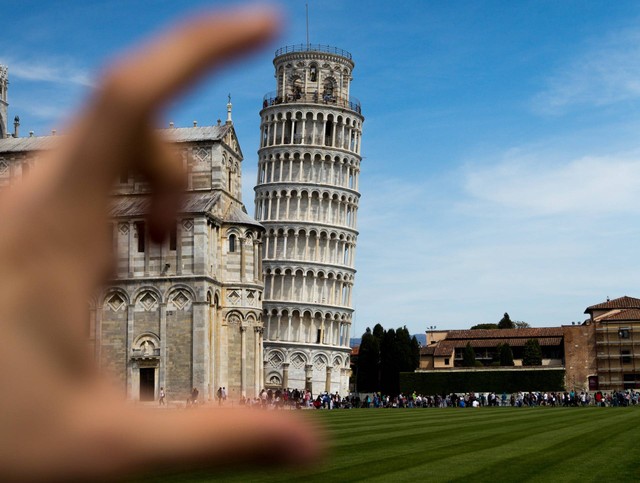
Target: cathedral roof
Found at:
x=192, y=134
x=177, y=135
x=139, y=205
x=237, y=215
x=192, y=202
x=33, y=143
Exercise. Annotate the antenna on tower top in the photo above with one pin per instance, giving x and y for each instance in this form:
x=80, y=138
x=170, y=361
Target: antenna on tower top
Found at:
x=307, y=11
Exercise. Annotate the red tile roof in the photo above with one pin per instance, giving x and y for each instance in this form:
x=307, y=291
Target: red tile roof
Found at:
x=532, y=333
x=448, y=345
x=619, y=303
x=457, y=339
x=629, y=314
x=428, y=350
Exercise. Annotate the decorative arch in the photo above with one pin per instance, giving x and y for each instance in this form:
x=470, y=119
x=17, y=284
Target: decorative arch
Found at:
x=233, y=318
x=146, y=344
x=273, y=380
x=275, y=359
x=115, y=299
x=298, y=360
x=320, y=362
x=179, y=299
x=183, y=286
x=147, y=299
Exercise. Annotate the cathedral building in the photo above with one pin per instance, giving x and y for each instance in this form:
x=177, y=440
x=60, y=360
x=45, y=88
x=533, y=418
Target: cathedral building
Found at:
x=187, y=313
x=307, y=199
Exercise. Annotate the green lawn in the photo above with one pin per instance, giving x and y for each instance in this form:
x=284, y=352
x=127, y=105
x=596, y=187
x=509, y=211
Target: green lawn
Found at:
x=487, y=444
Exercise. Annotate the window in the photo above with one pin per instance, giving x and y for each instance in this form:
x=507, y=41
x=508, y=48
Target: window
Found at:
x=631, y=381
x=232, y=243
x=625, y=357
x=140, y=230
x=623, y=333
x=173, y=238
x=446, y=361
x=112, y=235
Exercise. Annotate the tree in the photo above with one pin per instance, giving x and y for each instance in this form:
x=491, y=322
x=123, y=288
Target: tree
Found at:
x=378, y=332
x=506, y=355
x=484, y=327
x=368, y=361
x=389, y=370
x=532, y=355
x=415, y=353
x=519, y=324
x=469, y=356
x=399, y=352
x=506, y=322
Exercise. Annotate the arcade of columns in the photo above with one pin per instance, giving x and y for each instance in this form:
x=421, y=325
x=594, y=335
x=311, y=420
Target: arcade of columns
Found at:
x=307, y=199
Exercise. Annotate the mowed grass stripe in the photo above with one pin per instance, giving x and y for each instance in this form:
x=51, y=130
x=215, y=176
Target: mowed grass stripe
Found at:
x=487, y=444
x=487, y=459
x=470, y=439
x=579, y=456
x=437, y=426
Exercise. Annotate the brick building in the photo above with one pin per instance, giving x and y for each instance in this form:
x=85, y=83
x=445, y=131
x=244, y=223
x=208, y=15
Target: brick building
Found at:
x=570, y=347
x=617, y=343
x=445, y=349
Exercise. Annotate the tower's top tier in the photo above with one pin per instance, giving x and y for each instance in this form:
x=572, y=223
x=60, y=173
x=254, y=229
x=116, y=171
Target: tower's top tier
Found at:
x=316, y=74
x=317, y=48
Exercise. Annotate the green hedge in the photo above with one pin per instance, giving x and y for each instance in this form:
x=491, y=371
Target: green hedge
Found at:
x=445, y=382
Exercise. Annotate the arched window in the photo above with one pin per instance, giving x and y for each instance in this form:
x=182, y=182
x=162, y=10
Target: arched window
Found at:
x=232, y=243
x=141, y=232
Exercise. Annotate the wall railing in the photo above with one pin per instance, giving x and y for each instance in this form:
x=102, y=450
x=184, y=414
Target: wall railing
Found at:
x=312, y=48
x=272, y=99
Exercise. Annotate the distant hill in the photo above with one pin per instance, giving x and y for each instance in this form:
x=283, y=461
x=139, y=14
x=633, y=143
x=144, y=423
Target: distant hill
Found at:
x=422, y=340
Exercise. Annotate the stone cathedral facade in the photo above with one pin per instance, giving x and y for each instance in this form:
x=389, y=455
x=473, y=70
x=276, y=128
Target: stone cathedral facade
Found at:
x=307, y=199
x=187, y=313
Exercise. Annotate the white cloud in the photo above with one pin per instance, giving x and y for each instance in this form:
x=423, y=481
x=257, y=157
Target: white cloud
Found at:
x=606, y=74
x=530, y=185
x=57, y=71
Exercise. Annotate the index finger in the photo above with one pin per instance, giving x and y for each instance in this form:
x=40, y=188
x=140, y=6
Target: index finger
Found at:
x=166, y=65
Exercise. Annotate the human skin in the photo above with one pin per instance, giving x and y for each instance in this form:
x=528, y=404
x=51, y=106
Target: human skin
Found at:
x=59, y=419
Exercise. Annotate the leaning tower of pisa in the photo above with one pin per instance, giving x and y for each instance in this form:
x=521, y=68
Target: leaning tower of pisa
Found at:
x=307, y=199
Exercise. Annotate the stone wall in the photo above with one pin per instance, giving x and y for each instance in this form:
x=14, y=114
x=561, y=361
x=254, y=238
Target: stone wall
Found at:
x=179, y=354
x=113, y=335
x=580, y=355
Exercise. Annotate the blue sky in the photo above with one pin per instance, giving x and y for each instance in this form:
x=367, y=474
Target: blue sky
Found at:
x=501, y=144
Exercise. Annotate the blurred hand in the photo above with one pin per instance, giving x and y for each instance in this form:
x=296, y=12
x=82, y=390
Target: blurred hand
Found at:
x=59, y=420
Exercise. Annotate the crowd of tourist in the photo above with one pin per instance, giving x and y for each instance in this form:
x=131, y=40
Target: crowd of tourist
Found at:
x=303, y=399
x=519, y=399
